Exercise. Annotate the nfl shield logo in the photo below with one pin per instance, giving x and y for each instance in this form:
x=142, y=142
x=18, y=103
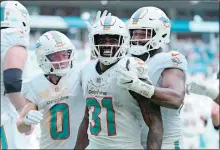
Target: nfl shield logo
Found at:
x=57, y=89
x=98, y=80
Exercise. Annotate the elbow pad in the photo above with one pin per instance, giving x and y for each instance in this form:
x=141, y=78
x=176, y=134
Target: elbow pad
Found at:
x=12, y=79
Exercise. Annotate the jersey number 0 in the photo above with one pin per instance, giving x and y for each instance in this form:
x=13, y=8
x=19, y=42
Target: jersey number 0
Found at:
x=64, y=133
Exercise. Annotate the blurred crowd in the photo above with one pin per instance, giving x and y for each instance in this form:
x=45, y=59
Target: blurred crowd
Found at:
x=202, y=58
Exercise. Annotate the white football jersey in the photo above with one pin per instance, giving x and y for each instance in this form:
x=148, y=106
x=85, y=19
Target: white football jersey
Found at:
x=10, y=37
x=171, y=118
x=190, y=115
x=114, y=115
x=63, y=107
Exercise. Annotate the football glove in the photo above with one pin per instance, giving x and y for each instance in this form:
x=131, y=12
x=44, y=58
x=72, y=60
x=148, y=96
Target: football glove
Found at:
x=33, y=117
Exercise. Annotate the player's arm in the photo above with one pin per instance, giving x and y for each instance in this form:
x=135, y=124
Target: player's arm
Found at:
x=200, y=88
x=215, y=115
x=22, y=127
x=172, y=91
x=217, y=99
x=12, y=75
x=152, y=117
x=82, y=138
x=29, y=116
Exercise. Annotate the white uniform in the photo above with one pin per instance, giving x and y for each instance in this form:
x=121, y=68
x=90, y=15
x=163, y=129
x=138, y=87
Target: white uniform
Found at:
x=114, y=115
x=172, y=125
x=192, y=123
x=202, y=105
x=63, y=107
x=10, y=37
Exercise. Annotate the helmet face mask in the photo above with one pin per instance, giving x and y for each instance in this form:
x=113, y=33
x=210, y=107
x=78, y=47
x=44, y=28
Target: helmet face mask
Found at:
x=60, y=60
x=142, y=38
x=109, y=43
x=149, y=30
x=107, y=47
x=55, y=53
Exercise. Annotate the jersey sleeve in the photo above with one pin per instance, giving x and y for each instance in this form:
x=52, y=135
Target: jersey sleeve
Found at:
x=175, y=59
x=28, y=92
x=158, y=63
x=78, y=84
x=78, y=93
x=16, y=37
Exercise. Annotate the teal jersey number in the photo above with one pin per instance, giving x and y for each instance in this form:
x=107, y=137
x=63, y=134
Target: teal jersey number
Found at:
x=106, y=103
x=4, y=144
x=65, y=132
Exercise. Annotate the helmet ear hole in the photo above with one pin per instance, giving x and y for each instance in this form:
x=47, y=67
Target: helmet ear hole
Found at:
x=96, y=52
x=24, y=24
x=96, y=37
x=154, y=33
x=121, y=40
x=164, y=35
x=71, y=64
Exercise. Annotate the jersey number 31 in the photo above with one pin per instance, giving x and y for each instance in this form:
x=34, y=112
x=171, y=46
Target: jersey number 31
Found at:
x=105, y=103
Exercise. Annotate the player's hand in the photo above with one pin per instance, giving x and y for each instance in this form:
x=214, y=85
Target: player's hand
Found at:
x=33, y=117
x=196, y=87
x=126, y=78
x=130, y=72
x=98, y=17
x=200, y=88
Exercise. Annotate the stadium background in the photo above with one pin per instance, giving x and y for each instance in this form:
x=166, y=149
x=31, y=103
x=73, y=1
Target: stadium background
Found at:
x=195, y=33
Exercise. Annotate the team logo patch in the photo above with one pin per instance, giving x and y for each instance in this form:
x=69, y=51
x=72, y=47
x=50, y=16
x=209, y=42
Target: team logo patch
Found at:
x=57, y=89
x=98, y=80
x=24, y=13
x=176, y=61
x=141, y=70
x=38, y=45
x=165, y=21
x=139, y=61
x=174, y=53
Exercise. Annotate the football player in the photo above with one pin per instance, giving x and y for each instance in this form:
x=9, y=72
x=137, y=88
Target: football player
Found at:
x=201, y=88
x=15, y=28
x=149, y=29
x=113, y=115
x=54, y=98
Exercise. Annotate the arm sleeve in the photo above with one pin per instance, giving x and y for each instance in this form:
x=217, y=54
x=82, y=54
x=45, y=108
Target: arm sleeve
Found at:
x=175, y=59
x=163, y=61
x=29, y=93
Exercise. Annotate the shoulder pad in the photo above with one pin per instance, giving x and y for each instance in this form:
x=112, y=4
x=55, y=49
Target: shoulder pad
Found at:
x=16, y=37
